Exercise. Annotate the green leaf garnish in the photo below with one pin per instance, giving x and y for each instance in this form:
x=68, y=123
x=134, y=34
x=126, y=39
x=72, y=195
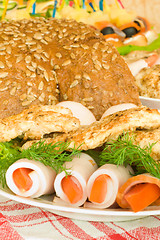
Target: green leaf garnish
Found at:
x=8, y=155
x=123, y=50
x=53, y=155
x=123, y=151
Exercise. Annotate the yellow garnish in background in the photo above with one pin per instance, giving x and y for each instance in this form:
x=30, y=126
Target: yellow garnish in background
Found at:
x=20, y=2
x=5, y=3
x=62, y=5
x=76, y=2
x=106, y=7
x=119, y=16
x=29, y=5
x=18, y=14
x=117, y=4
x=114, y=13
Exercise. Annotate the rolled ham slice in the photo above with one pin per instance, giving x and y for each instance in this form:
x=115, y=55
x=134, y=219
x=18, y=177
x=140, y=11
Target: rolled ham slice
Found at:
x=135, y=67
x=39, y=178
x=138, y=180
x=158, y=61
x=71, y=188
x=103, y=185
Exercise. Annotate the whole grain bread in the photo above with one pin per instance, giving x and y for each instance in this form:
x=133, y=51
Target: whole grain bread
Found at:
x=50, y=60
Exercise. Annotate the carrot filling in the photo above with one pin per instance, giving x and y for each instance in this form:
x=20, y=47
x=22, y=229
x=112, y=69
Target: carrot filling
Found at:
x=72, y=188
x=142, y=195
x=22, y=179
x=99, y=189
x=151, y=60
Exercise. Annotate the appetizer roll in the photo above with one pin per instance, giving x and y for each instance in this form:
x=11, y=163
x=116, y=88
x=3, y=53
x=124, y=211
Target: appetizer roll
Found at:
x=138, y=192
x=137, y=66
x=71, y=187
x=103, y=185
x=29, y=178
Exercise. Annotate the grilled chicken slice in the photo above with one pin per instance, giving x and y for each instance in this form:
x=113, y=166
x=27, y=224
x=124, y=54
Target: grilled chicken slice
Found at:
x=36, y=121
x=108, y=128
x=146, y=138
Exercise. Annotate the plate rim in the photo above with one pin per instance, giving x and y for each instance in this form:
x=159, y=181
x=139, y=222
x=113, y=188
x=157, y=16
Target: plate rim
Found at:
x=149, y=99
x=42, y=203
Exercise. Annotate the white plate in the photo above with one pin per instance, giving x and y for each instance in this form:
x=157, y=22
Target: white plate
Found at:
x=87, y=214
x=82, y=213
x=151, y=102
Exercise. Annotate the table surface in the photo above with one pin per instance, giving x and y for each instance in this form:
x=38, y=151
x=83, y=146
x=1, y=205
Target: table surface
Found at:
x=19, y=221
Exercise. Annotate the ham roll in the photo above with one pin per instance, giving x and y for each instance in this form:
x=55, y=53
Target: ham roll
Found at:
x=138, y=192
x=71, y=187
x=103, y=185
x=135, y=67
x=29, y=178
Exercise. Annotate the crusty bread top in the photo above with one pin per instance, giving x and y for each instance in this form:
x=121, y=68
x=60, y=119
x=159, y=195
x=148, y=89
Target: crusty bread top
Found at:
x=50, y=60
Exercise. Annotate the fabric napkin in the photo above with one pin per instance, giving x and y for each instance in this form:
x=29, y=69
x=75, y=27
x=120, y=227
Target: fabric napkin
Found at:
x=19, y=221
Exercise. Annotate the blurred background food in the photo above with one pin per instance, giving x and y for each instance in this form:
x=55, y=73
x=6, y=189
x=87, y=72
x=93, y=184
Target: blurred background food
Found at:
x=144, y=8
x=131, y=9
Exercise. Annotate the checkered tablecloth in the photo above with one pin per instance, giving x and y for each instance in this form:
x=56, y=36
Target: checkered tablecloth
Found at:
x=19, y=221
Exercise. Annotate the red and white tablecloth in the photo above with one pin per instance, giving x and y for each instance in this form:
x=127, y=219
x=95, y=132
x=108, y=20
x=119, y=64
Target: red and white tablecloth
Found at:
x=19, y=221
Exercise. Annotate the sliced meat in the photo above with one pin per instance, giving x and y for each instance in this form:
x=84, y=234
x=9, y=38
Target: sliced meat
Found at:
x=36, y=121
x=146, y=138
x=109, y=128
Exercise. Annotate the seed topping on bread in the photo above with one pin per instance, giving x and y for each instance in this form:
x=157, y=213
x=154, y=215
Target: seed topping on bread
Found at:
x=44, y=61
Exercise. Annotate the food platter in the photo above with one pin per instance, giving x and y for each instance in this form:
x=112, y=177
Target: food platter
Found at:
x=153, y=103
x=81, y=213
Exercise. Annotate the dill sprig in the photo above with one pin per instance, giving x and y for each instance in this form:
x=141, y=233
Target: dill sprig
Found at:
x=123, y=151
x=53, y=155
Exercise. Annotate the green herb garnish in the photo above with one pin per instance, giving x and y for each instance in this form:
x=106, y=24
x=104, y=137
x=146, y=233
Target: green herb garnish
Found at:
x=123, y=50
x=123, y=151
x=53, y=155
x=8, y=155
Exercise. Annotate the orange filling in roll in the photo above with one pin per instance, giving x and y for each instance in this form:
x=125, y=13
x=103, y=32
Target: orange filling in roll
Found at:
x=22, y=179
x=99, y=189
x=72, y=188
x=151, y=60
x=142, y=195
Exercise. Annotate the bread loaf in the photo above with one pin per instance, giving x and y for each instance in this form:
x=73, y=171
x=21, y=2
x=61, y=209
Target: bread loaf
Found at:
x=50, y=60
